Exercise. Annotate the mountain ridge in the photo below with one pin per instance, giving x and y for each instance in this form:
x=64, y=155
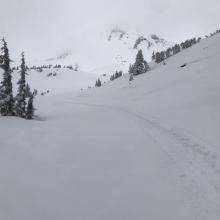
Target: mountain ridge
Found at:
x=112, y=50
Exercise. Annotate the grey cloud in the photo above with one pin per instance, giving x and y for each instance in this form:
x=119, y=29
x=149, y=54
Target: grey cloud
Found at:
x=41, y=27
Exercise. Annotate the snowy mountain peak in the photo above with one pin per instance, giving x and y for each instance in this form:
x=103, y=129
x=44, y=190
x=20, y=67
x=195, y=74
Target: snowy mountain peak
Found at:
x=117, y=33
x=114, y=50
x=159, y=40
x=136, y=40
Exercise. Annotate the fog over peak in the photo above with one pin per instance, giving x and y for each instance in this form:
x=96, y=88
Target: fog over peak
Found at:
x=46, y=27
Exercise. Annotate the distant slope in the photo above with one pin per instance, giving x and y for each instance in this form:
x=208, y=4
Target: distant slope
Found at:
x=109, y=51
x=60, y=80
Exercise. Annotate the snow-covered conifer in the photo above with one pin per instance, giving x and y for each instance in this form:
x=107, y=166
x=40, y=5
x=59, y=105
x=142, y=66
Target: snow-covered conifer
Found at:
x=30, y=107
x=140, y=66
x=99, y=84
x=131, y=77
x=153, y=56
x=23, y=89
x=6, y=93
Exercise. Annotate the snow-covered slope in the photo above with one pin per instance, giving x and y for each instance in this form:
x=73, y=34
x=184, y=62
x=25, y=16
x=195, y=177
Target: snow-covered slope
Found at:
x=144, y=150
x=113, y=51
x=171, y=91
x=61, y=80
x=109, y=51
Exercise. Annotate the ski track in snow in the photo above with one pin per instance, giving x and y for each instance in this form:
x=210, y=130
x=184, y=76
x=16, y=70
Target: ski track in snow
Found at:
x=202, y=162
x=198, y=162
x=198, y=148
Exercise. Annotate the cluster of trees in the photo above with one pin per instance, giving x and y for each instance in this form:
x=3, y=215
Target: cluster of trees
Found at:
x=213, y=34
x=189, y=43
x=159, y=57
x=51, y=74
x=37, y=68
x=41, y=67
x=69, y=67
x=56, y=66
x=98, y=83
x=75, y=68
x=116, y=75
x=44, y=93
x=140, y=66
x=22, y=104
x=217, y=32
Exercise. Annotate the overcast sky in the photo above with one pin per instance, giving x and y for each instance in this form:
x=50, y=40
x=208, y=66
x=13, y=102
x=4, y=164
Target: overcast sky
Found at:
x=42, y=26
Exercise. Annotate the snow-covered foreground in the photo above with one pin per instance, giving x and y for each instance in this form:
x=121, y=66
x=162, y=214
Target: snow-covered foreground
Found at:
x=148, y=150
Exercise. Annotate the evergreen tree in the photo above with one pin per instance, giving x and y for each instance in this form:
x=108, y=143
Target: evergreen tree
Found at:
x=193, y=41
x=168, y=52
x=116, y=74
x=176, y=49
x=112, y=77
x=120, y=73
x=183, y=45
x=199, y=39
x=131, y=69
x=30, y=107
x=131, y=77
x=6, y=93
x=153, y=56
x=162, y=56
x=99, y=84
x=23, y=89
x=140, y=66
x=27, y=90
x=158, y=57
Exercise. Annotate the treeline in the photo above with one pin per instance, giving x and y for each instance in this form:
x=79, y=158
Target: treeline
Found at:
x=213, y=34
x=159, y=57
x=117, y=75
x=50, y=66
x=20, y=105
x=113, y=77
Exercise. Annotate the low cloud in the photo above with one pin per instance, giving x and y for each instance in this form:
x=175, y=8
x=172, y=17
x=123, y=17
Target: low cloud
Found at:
x=44, y=27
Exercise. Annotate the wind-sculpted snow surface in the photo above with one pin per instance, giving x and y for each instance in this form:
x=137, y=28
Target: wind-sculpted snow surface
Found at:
x=146, y=149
